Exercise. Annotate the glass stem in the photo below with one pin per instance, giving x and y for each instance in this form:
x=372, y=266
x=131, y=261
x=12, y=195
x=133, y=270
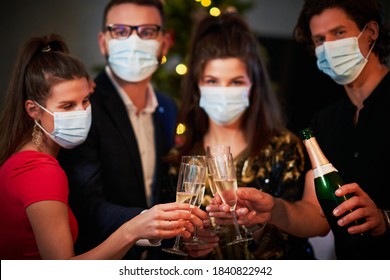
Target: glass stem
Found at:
x=177, y=242
x=195, y=233
x=236, y=226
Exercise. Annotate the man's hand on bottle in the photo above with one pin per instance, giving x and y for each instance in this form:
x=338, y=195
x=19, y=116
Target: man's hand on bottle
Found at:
x=362, y=207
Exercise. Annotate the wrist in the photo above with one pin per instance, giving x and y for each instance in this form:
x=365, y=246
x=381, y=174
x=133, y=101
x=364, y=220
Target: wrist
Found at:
x=256, y=227
x=275, y=210
x=386, y=217
x=256, y=232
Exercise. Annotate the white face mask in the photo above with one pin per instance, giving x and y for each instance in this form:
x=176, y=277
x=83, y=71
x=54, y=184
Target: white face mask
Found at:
x=133, y=59
x=70, y=128
x=224, y=105
x=342, y=59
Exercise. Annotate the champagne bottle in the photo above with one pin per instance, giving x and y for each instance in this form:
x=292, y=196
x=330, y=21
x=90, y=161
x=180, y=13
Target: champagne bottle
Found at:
x=326, y=180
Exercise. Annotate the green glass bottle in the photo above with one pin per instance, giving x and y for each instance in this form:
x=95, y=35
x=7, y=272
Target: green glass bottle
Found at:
x=326, y=180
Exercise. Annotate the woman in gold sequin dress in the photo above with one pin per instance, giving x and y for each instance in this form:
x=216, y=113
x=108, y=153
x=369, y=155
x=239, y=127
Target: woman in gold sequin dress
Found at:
x=227, y=99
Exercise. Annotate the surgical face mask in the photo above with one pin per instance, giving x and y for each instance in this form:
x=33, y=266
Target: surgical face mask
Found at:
x=70, y=128
x=224, y=105
x=133, y=59
x=342, y=59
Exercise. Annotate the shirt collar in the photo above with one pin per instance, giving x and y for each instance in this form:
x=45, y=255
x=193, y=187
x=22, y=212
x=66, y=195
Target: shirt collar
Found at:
x=151, y=99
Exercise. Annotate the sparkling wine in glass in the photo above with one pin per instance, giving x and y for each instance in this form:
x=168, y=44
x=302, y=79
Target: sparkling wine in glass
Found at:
x=225, y=180
x=212, y=151
x=201, y=161
x=191, y=178
x=195, y=239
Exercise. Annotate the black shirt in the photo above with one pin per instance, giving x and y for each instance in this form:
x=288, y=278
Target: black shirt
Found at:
x=361, y=153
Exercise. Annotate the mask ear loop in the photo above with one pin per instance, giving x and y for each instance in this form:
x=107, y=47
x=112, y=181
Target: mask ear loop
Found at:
x=37, y=123
x=44, y=108
x=41, y=127
x=372, y=47
x=369, y=52
x=361, y=32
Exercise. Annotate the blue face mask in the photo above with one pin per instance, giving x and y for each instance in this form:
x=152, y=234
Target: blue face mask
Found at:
x=70, y=128
x=342, y=59
x=224, y=105
x=133, y=59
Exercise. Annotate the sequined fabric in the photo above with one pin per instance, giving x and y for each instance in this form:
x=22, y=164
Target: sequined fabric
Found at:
x=279, y=170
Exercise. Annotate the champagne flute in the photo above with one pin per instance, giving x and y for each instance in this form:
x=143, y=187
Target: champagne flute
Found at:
x=201, y=161
x=191, y=178
x=225, y=180
x=218, y=149
x=195, y=239
x=212, y=151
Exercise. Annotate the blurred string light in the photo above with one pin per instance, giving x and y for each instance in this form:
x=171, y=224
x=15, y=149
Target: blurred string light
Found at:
x=205, y=3
x=214, y=11
x=163, y=59
x=181, y=69
x=180, y=129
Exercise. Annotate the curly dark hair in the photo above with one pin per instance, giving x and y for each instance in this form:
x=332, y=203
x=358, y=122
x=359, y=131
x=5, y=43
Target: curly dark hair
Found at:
x=360, y=11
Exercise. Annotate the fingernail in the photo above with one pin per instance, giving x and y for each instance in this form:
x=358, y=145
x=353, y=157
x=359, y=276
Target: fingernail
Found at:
x=336, y=211
x=338, y=191
x=341, y=222
x=208, y=208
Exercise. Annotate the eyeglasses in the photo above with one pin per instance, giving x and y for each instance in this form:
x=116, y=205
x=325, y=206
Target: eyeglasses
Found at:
x=145, y=31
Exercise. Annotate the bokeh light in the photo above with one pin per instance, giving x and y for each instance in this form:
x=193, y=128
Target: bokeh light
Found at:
x=180, y=129
x=214, y=11
x=181, y=69
x=205, y=3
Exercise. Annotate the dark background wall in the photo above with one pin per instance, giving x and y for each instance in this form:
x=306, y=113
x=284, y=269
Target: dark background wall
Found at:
x=292, y=70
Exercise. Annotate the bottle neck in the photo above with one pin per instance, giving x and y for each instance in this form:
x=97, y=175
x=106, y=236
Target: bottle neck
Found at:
x=317, y=157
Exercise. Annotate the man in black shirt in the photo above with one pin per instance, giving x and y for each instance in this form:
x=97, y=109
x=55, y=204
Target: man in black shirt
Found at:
x=352, y=45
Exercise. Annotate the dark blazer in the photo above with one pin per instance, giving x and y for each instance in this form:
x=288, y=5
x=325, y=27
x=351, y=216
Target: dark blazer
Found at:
x=105, y=172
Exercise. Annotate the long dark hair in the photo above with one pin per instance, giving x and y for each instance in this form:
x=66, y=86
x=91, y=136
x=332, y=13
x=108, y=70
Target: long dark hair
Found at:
x=360, y=11
x=229, y=36
x=42, y=62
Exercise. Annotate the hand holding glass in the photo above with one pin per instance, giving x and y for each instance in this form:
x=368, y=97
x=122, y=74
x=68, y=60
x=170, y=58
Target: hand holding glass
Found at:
x=212, y=151
x=191, y=178
x=201, y=161
x=225, y=180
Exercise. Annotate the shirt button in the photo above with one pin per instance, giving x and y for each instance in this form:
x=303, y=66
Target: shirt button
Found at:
x=356, y=155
